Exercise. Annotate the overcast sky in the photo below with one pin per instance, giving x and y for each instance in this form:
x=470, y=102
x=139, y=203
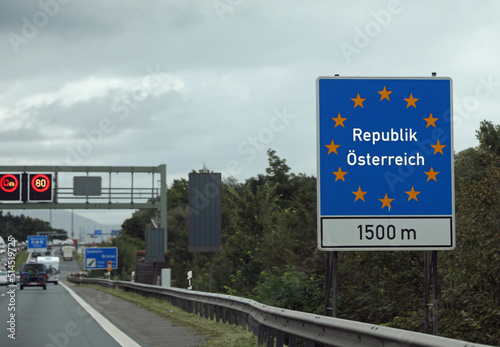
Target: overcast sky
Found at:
x=184, y=83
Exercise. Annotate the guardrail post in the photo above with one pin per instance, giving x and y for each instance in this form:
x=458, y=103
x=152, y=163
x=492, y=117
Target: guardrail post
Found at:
x=211, y=310
x=260, y=338
x=224, y=315
x=280, y=338
x=292, y=341
x=243, y=320
x=217, y=313
x=252, y=325
x=270, y=337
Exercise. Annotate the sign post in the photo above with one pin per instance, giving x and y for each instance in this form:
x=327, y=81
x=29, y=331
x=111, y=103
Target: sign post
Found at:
x=385, y=169
x=385, y=164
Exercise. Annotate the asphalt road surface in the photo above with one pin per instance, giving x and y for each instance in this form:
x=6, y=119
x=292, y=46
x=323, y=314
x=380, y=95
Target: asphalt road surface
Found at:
x=49, y=317
x=68, y=315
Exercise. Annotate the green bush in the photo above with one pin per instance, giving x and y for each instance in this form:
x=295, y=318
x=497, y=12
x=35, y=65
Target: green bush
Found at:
x=291, y=289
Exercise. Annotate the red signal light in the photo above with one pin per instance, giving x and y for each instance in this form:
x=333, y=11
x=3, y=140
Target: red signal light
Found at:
x=10, y=187
x=9, y=183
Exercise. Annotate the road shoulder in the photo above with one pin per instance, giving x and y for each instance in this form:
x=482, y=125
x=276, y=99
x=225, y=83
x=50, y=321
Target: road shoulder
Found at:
x=150, y=328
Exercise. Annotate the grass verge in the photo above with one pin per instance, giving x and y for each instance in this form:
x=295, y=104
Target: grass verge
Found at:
x=79, y=260
x=20, y=259
x=219, y=334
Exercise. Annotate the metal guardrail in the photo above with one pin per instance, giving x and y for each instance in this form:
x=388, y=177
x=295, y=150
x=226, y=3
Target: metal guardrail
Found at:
x=275, y=326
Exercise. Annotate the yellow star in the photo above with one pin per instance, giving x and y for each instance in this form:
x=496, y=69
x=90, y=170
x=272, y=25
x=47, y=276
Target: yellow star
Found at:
x=411, y=101
x=431, y=121
x=384, y=94
x=438, y=147
x=431, y=174
x=339, y=175
x=339, y=121
x=386, y=202
x=332, y=147
x=358, y=101
x=359, y=194
x=412, y=194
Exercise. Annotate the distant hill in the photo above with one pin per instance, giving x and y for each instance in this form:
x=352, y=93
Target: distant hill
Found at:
x=62, y=219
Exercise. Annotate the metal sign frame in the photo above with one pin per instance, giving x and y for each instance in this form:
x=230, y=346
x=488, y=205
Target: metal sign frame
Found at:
x=113, y=197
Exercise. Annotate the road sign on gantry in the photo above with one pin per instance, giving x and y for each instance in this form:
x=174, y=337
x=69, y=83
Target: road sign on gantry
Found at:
x=10, y=187
x=40, y=187
x=385, y=164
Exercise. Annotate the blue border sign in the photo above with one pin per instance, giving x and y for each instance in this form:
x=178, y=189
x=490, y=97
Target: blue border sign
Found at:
x=37, y=243
x=97, y=258
x=385, y=164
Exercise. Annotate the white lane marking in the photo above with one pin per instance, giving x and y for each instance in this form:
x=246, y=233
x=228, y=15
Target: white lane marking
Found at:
x=115, y=333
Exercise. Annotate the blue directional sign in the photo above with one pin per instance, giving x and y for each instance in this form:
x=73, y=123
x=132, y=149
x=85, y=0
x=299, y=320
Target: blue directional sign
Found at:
x=97, y=258
x=97, y=232
x=37, y=243
x=385, y=164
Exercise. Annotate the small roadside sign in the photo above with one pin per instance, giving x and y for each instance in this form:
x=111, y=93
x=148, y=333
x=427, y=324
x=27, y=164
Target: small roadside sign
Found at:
x=37, y=243
x=101, y=258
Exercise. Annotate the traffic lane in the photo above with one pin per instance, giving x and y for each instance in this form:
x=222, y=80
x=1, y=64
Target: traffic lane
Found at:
x=48, y=318
x=151, y=328
x=67, y=266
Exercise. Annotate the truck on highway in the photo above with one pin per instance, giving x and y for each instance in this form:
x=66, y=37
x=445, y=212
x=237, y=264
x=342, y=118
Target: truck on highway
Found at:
x=68, y=252
x=52, y=268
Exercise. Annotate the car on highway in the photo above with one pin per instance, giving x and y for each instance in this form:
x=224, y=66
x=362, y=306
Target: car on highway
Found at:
x=4, y=278
x=33, y=274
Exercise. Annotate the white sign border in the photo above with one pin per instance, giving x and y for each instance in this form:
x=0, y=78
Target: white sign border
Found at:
x=318, y=180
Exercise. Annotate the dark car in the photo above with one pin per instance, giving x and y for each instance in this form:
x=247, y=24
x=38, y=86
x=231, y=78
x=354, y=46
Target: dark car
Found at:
x=33, y=274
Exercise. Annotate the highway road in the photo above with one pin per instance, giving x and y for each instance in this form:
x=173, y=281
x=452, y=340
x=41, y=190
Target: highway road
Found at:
x=55, y=317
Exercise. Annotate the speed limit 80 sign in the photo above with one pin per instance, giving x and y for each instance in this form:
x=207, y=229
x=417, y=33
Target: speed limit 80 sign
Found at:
x=40, y=187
